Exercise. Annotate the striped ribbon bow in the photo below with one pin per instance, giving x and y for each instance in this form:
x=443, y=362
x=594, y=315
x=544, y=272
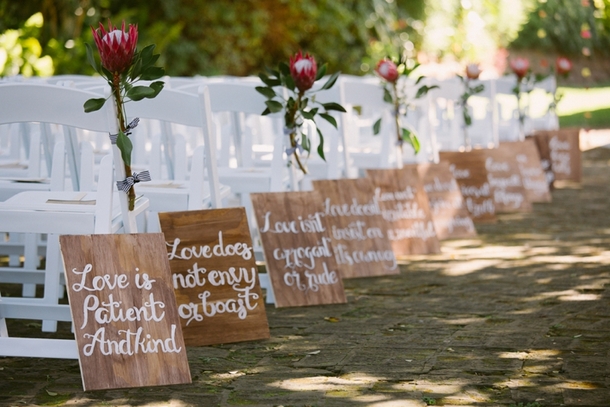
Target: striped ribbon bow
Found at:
x=132, y=125
x=128, y=182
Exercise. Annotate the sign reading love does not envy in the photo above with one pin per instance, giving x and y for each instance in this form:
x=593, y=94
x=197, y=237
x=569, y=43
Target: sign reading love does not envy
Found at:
x=125, y=317
x=447, y=206
x=298, y=249
x=404, y=205
x=530, y=166
x=214, y=275
x=468, y=169
x=358, y=230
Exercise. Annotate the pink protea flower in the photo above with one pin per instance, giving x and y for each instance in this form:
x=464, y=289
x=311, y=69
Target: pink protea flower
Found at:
x=473, y=71
x=520, y=66
x=563, y=65
x=116, y=47
x=387, y=70
x=303, y=70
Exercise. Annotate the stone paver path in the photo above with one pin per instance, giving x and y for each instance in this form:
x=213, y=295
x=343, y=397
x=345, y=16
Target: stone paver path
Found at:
x=518, y=317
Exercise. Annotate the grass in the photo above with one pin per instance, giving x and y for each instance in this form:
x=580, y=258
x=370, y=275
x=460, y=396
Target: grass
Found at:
x=580, y=107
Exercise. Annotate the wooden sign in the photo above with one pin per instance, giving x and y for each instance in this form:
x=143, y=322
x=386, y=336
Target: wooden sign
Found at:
x=298, y=249
x=214, y=276
x=124, y=310
x=468, y=169
x=544, y=153
x=505, y=180
x=564, y=152
x=358, y=230
x=533, y=176
x=404, y=205
x=447, y=206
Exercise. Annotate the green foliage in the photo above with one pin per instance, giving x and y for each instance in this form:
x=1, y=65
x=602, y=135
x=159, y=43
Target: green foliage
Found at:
x=21, y=52
x=299, y=106
x=561, y=26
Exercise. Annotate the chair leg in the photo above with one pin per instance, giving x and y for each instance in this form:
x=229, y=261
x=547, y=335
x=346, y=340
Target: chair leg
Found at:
x=54, y=267
x=31, y=261
x=3, y=328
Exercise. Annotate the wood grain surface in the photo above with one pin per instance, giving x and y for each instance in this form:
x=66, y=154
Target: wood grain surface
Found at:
x=124, y=310
x=298, y=249
x=404, y=205
x=214, y=275
x=358, y=229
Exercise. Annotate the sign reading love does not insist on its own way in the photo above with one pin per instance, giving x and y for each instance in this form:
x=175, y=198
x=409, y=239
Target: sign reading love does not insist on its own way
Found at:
x=125, y=317
x=214, y=275
x=404, y=205
x=298, y=251
x=449, y=213
x=358, y=230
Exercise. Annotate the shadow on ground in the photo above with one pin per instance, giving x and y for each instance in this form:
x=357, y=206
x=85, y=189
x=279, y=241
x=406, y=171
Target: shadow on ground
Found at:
x=518, y=317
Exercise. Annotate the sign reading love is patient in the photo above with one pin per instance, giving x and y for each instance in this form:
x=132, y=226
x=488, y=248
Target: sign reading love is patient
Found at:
x=214, y=276
x=298, y=249
x=358, y=229
x=125, y=317
x=404, y=205
x=447, y=205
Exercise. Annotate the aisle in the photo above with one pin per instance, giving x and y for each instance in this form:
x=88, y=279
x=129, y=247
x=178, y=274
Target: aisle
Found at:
x=519, y=315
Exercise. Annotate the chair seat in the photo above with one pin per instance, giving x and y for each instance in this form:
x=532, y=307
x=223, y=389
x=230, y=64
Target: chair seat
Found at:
x=167, y=196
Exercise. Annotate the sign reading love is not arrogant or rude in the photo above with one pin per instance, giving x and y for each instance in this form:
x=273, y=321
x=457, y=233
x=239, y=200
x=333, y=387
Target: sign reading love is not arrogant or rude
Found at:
x=125, y=317
x=505, y=180
x=449, y=213
x=298, y=250
x=404, y=205
x=358, y=230
x=214, y=275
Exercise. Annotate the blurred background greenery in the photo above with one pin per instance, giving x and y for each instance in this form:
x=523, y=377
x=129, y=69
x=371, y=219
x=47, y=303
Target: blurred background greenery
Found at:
x=232, y=37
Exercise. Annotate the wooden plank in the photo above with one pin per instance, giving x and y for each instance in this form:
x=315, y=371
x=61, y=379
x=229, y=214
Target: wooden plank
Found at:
x=468, y=169
x=124, y=310
x=405, y=207
x=533, y=175
x=447, y=205
x=214, y=276
x=358, y=229
x=298, y=249
x=564, y=152
x=505, y=180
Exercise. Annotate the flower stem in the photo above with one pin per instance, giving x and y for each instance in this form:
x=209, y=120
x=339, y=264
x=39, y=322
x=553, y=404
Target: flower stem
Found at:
x=292, y=125
x=397, y=115
x=116, y=90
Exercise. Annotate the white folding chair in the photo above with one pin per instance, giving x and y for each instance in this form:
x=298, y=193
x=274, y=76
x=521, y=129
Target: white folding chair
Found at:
x=57, y=212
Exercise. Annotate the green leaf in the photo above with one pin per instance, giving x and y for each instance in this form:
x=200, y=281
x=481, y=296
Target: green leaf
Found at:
x=331, y=81
x=314, y=111
x=306, y=144
x=333, y=106
x=273, y=72
x=424, y=91
x=147, y=55
x=289, y=82
x=410, y=138
x=136, y=70
x=321, y=72
x=140, y=92
x=321, y=145
x=266, y=91
x=377, y=127
x=419, y=80
x=266, y=112
x=274, y=106
x=271, y=82
x=387, y=96
x=284, y=69
x=157, y=87
x=152, y=72
x=91, y=58
x=329, y=119
x=92, y=105
x=307, y=115
x=125, y=146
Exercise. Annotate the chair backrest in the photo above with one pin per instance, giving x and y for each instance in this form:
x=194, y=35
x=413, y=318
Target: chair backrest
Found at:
x=175, y=106
x=39, y=102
